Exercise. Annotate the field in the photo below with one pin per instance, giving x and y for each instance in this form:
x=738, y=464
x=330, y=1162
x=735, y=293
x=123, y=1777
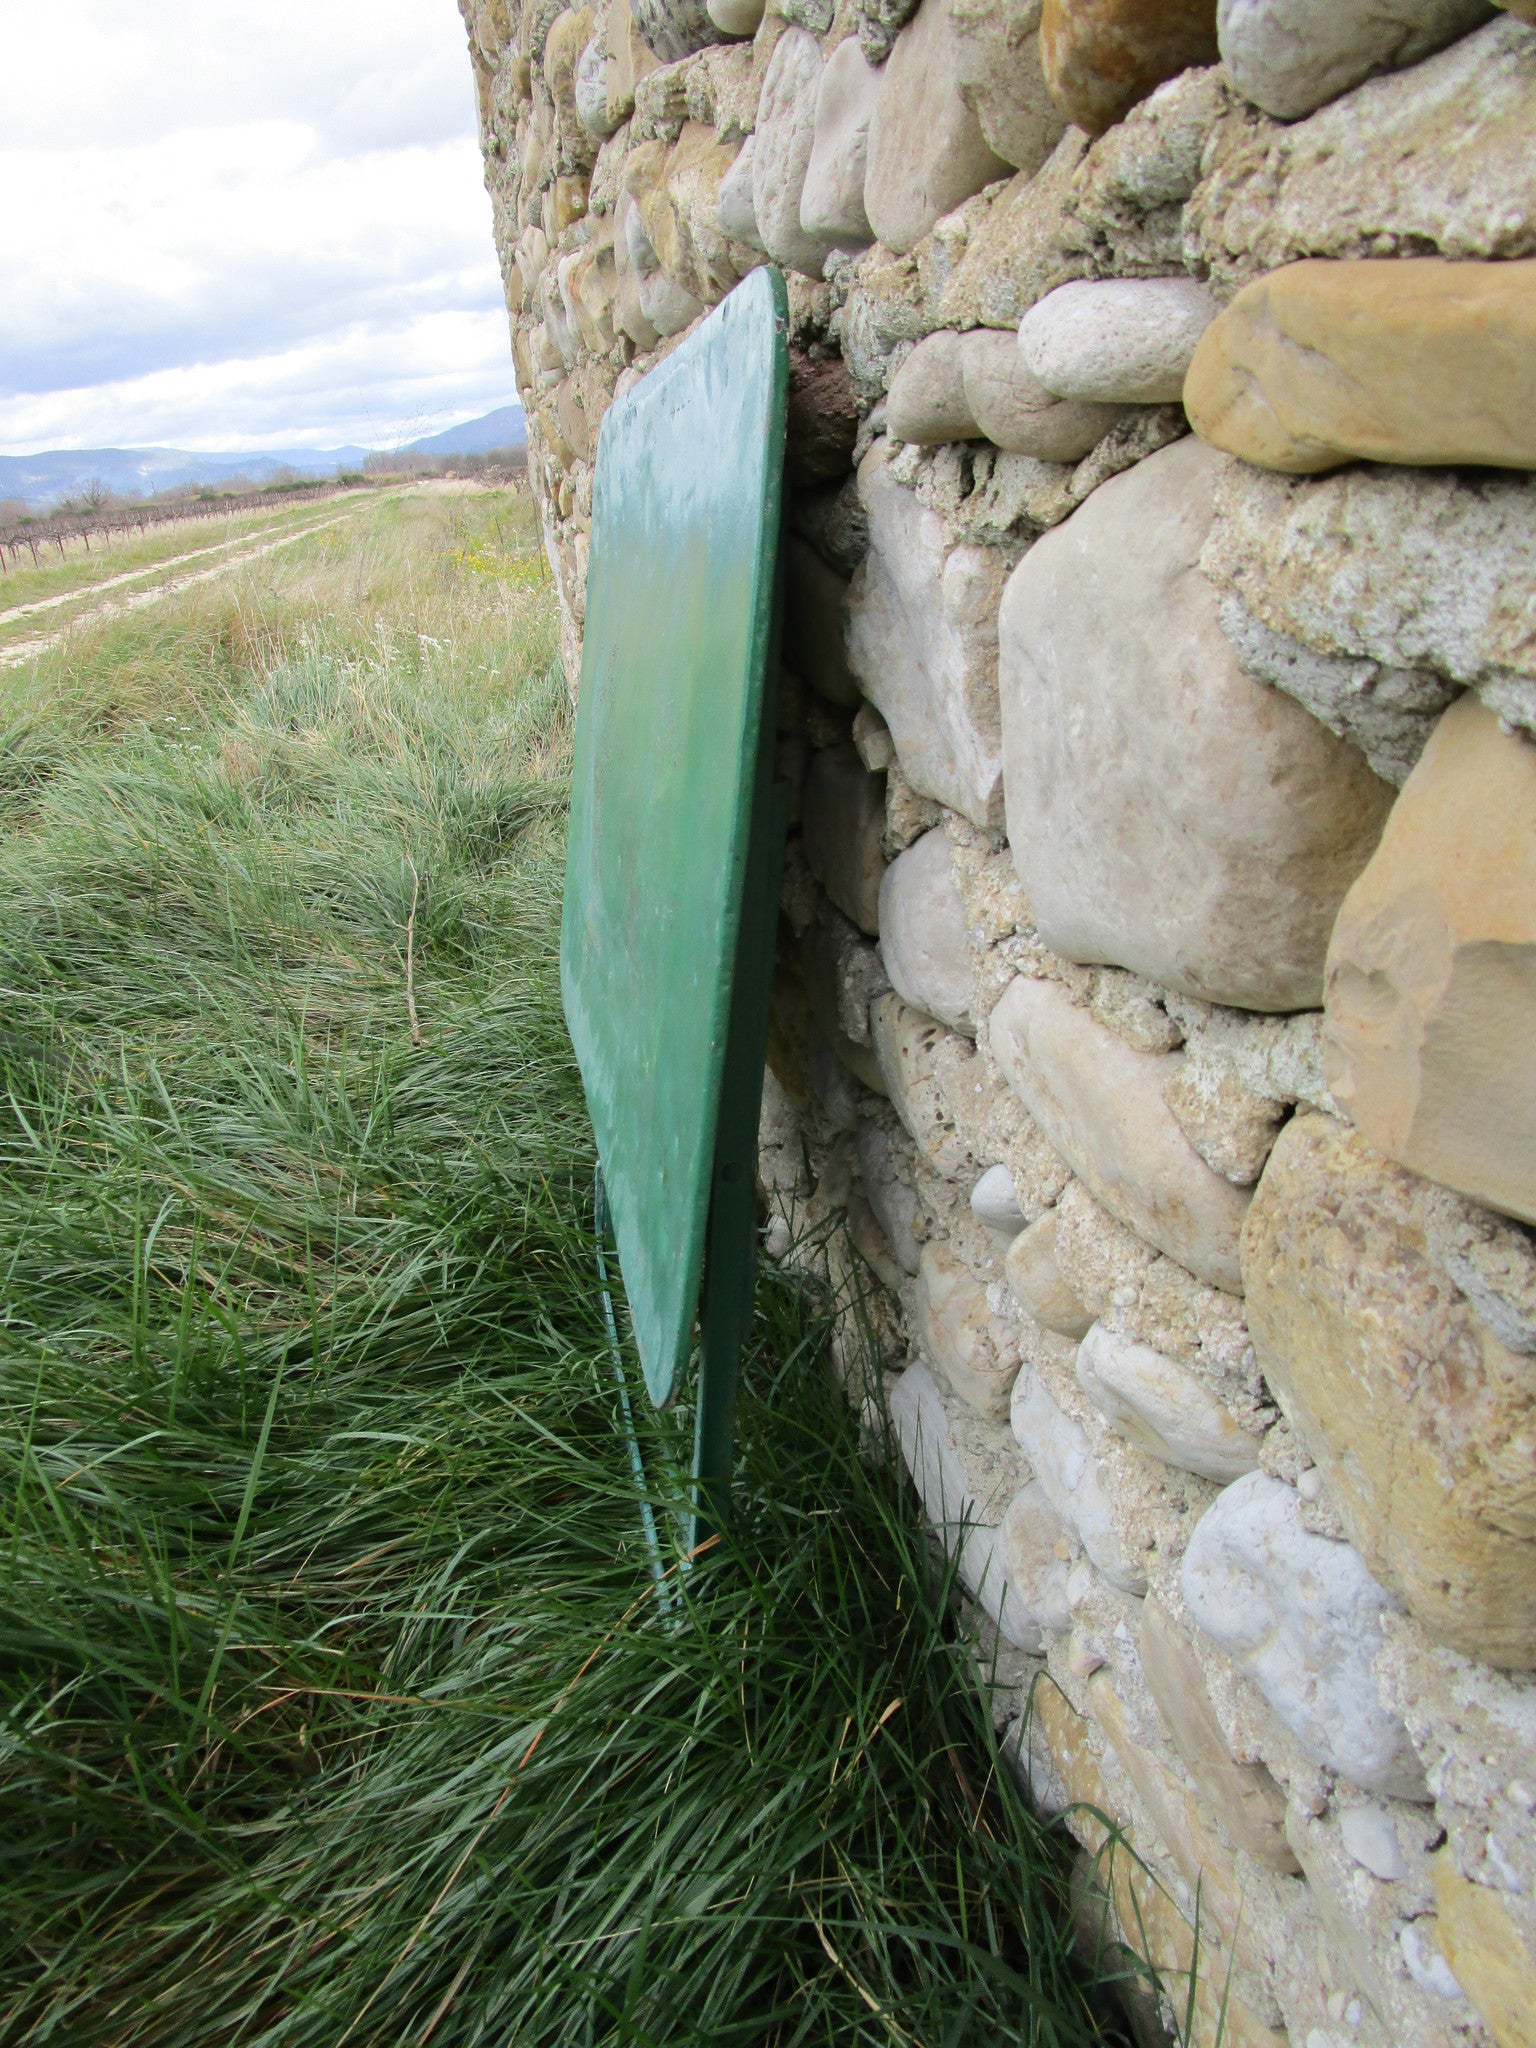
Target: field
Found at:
x=42, y=597
x=339, y=1706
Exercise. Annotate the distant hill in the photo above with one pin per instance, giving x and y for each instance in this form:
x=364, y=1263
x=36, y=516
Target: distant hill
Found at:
x=503, y=428
x=56, y=473
x=41, y=480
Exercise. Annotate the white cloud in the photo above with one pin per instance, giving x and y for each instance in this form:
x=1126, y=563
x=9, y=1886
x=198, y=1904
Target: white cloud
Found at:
x=243, y=225
x=369, y=387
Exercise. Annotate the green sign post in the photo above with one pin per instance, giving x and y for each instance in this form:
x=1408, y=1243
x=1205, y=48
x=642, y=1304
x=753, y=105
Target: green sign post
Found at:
x=677, y=835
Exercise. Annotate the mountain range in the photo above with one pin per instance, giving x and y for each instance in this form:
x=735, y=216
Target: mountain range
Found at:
x=42, y=479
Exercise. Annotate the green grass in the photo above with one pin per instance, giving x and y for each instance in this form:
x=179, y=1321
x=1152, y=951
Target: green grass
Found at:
x=338, y=1704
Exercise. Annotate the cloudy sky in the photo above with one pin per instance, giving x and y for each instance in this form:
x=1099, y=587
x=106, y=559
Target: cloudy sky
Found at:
x=241, y=224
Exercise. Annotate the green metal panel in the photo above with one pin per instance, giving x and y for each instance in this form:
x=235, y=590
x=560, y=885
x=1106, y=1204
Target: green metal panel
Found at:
x=676, y=835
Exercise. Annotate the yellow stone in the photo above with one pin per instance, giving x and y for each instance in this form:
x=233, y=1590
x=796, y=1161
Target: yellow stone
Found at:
x=564, y=202
x=594, y=287
x=1491, y=1962
x=1422, y=1422
x=571, y=415
x=1244, y=1798
x=1149, y=1921
x=522, y=364
x=675, y=189
x=1430, y=986
x=1101, y=56
x=1204, y=1860
x=629, y=60
x=567, y=38
x=1418, y=360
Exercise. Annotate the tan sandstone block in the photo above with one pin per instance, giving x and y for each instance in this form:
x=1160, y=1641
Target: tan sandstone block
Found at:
x=1430, y=994
x=1247, y=1802
x=1101, y=56
x=595, y=288
x=567, y=38
x=564, y=202
x=703, y=261
x=972, y=1349
x=1149, y=1921
x=1483, y=1947
x=577, y=427
x=1422, y=1422
x=629, y=60
x=675, y=190
x=1204, y=1860
x=910, y=1049
x=1419, y=361
x=1039, y=1283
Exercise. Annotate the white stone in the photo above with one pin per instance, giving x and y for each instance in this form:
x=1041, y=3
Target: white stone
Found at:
x=1062, y=1460
x=1290, y=56
x=995, y=1203
x=843, y=819
x=1370, y=1836
x=1120, y=341
x=785, y=133
x=960, y=387
x=922, y=645
x=1301, y=1615
x=1101, y=1105
x=1013, y=409
x=736, y=17
x=832, y=198
x=592, y=90
x=734, y=215
x=973, y=1350
x=1161, y=1407
x=1168, y=813
x=936, y=1463
x=922, y=932
x=926, y=150
x=872, y=738
x=926, y=403
x=1037, y=1557
x=1426, y=1966
x=891, y=1196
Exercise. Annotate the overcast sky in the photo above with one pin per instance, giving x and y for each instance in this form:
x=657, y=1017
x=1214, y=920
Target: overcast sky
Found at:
x=241, y=224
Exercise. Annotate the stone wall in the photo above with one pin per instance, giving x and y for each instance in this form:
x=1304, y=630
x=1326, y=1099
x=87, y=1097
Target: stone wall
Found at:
x=1154, y=1053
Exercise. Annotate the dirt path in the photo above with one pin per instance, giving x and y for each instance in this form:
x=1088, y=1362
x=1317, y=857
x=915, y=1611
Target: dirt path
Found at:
x=96, y=614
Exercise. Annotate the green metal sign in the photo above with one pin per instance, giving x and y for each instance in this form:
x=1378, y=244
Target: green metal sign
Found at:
x=677, y=839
